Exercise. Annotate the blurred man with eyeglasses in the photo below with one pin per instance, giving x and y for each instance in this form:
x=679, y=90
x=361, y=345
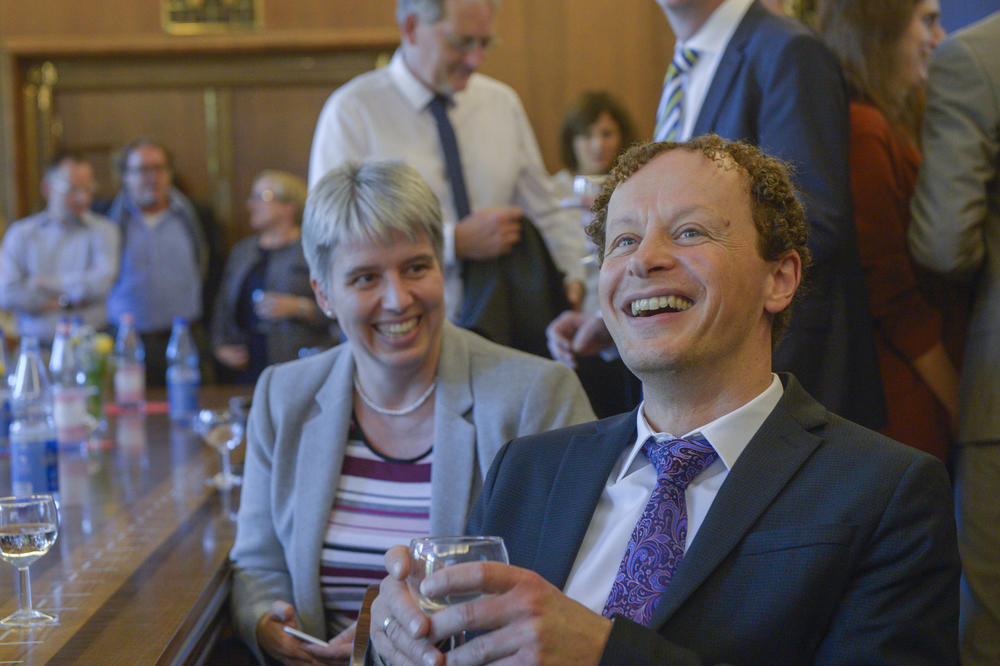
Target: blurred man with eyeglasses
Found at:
x=467, y=135
x=164, y=256
x=63, y=260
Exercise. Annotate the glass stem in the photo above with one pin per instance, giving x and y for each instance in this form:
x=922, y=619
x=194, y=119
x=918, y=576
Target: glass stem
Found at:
x=227, y=468
x=25, y=589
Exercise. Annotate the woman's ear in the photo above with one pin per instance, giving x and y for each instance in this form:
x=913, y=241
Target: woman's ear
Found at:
x=324, y=303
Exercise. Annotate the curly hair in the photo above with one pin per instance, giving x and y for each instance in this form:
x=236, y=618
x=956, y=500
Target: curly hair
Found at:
x=777, y=214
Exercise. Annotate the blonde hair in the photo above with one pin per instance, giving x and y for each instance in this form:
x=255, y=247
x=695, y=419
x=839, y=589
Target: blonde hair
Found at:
x=288, y=188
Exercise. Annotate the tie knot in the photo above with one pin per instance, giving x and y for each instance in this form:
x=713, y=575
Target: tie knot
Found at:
x=684, y=59
x=439, y=103
x=679, y=460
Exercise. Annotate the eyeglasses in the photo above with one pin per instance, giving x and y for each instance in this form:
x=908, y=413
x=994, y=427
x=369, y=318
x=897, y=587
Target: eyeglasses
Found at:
x=148, y=169
x=63, y=187
x=467, y=44
x=265, y=196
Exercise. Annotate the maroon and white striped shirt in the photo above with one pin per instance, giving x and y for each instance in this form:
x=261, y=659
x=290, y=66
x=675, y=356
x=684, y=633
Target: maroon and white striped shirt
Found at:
x=380, y=502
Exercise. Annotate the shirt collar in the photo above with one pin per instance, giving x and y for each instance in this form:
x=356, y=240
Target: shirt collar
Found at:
x=72, y=222
x=729, y=434
x=713, y=36
x=413, y=89
x=174, y=205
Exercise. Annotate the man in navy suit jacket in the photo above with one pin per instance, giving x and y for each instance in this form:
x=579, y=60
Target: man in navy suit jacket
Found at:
x=767, y=80
x=808, y=539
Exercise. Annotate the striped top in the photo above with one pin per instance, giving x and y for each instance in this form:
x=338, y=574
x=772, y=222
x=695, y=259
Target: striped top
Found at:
x=380, y=502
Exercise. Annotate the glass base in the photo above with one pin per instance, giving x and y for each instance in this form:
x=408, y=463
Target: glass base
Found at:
x=224, y=482
x=29, y=618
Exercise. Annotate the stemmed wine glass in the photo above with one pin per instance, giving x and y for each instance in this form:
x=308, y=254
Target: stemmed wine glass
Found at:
x=223, y=431
x=428, y=554
x=28, y=528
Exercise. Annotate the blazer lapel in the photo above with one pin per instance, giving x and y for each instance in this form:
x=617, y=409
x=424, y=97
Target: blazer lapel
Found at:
x=576, y=489
x=726, y=74
x=322, y=443
x=454, y=437
x=773, y=456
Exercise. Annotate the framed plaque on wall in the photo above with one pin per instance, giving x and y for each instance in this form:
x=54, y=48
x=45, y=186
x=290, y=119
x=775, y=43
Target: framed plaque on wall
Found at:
x=196, y=17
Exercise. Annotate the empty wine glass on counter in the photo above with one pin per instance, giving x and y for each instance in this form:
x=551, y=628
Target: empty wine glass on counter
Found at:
x=428, y=554
x=28, y=528
x=223, y=431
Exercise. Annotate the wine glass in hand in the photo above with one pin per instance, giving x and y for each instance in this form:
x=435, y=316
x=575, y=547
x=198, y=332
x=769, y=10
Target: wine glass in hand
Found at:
x=28, y=528
x=428, y=554
x=223, y=431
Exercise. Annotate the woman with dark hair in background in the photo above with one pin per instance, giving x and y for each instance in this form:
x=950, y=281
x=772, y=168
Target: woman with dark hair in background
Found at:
x=595, y=131
x=884, y=47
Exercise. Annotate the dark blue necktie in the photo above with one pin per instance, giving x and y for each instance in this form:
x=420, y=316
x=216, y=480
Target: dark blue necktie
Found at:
x=452, y=161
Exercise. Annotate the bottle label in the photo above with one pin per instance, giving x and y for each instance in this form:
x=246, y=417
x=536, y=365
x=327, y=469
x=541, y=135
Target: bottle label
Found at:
x=183, y=399
x=130, y=384
x=34, y=466
x=70, y=414
x=5, y=416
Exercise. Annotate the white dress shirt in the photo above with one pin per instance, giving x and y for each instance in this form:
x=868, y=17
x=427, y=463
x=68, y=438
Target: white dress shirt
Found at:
x=631, y=484
x=383, y=115
x=710, y=41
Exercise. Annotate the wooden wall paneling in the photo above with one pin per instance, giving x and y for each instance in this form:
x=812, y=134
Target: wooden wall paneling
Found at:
x=317, y=13
x=107, y=17
x=194, y=104
x=99, y=122
x=552, y=51
x=219, y=153
x=9, y=141
x=275, y=127
x=71, y=17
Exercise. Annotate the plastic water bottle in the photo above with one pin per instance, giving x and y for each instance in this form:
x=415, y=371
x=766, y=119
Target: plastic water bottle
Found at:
x=69, y=389
x=183, y=373
x=59, y=343
x=5, y=381
x=34, y=454
x=130, y=365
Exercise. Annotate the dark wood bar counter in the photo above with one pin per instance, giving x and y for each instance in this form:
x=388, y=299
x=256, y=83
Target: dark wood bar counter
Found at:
x=139, y=573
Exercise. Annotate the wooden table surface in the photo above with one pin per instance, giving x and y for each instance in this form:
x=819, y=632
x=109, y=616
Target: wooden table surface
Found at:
x=139, y=573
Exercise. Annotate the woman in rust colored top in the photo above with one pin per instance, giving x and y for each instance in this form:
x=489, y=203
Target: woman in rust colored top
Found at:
x=884, y=47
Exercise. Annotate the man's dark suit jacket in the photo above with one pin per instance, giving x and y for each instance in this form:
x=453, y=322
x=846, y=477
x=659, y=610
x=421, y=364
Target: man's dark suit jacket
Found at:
x=511, y=299
x=827, y=543
x=779, y=88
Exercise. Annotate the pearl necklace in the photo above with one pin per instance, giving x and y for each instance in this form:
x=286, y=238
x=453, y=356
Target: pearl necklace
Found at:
x=402, y=411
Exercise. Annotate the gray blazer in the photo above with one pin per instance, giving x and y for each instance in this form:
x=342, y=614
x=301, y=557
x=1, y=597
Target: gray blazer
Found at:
x=486, y=396
x=956, y=208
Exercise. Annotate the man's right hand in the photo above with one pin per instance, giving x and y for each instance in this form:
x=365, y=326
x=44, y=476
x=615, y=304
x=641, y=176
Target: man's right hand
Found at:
x=488, y=233
x=574, y=334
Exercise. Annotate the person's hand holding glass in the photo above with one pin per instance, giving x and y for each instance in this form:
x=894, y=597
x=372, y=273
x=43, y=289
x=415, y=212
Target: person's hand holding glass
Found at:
x=28, y=528
x=513, y=611
x=429, y=554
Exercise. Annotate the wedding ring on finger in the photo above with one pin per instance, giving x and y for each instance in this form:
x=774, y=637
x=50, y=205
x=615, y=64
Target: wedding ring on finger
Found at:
x=386, y=622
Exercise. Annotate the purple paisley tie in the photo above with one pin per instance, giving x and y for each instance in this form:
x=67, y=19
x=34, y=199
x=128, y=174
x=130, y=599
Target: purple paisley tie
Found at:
x=657, y=543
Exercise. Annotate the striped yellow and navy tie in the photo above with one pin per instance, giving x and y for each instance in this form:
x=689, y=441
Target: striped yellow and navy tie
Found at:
x=670, y=117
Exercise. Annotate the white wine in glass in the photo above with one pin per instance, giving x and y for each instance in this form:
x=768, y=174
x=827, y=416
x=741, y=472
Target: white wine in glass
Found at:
x=428, y=554
x=28, y=528
x=223, y=431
